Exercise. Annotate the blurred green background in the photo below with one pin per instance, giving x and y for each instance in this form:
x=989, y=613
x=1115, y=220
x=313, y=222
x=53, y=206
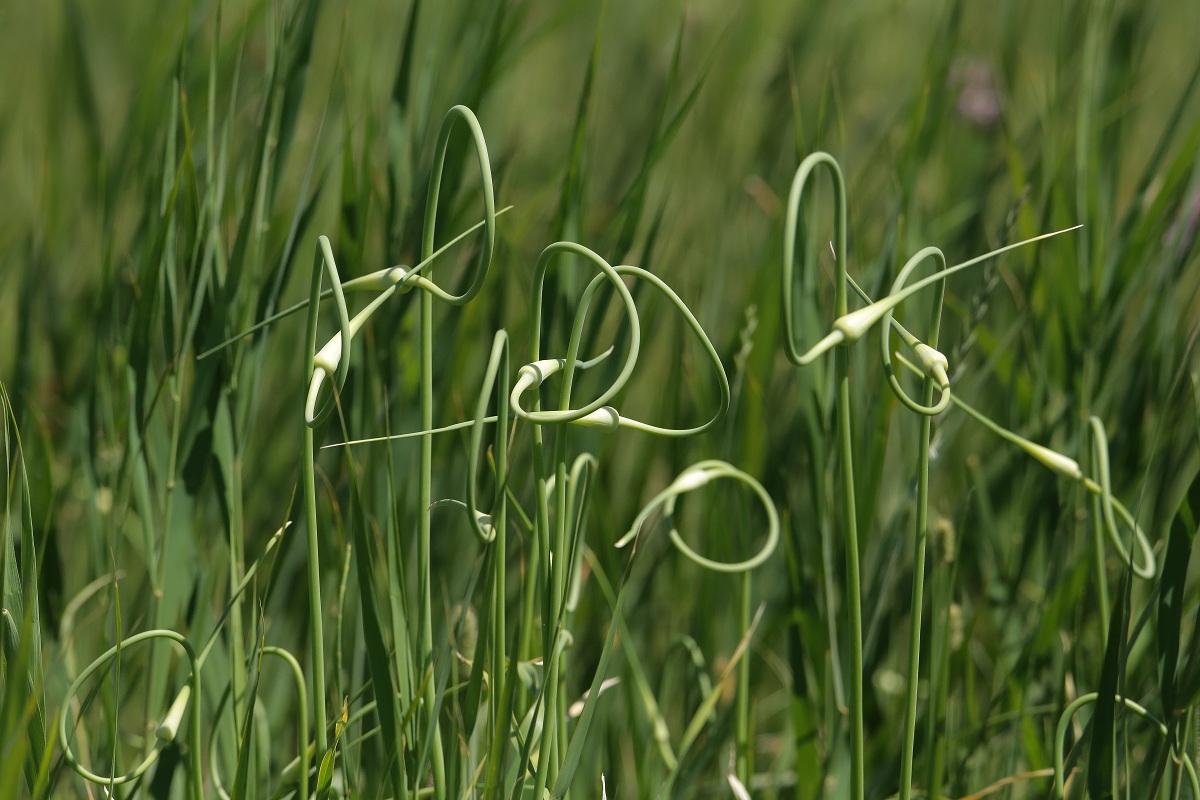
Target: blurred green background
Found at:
x=163, y=188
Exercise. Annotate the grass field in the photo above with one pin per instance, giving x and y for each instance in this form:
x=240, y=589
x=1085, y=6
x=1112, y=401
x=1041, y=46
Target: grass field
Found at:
x=684, y=511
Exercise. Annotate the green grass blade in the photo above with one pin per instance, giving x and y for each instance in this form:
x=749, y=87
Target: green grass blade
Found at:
x=242, y=789
x=19, y=593
x=1102, y=755
x=1171, y=605
x=570, y=761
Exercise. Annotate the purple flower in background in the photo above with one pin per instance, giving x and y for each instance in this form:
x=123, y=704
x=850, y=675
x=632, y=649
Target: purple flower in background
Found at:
x=979, y=98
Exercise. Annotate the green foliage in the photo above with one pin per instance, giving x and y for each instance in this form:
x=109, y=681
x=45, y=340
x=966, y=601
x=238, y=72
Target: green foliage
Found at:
x=576, y=326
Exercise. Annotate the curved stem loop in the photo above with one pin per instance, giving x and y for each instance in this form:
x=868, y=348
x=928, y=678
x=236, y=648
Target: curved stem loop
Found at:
x=1069, y=712
x=165, y=732
x=692, y=478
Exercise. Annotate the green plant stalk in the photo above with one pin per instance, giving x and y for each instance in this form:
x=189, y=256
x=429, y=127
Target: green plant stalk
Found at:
x=920, y=537
x=425, y=480
x=400, y=624
x=853, y=570
x=1097, y=516
x=562, y=568
x=743, y=766
x=1101, y=573
x=493, y=536
x=424, y=500
x=555, y=735
x=529, y=590
x=849, y=328
x=499, y=695
x=692, y=478
x=940, y=679
x=1065, y=720
x=936, y=364
x=552, y=540
x=190, y=695
x=845, y=445
x=339, y=678
x=542, y=544
x=237, y=654
x=302, y=712
x=333, y=361
x=553, y=742
x=553, y=722
x=1069, y=468
x=315, y=607
x=563, y=554
x=115, y=699
x=322, y=258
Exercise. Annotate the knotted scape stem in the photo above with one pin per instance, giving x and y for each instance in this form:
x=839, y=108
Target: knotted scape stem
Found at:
x=333, y=362
x=845, y=446
x=931, y=365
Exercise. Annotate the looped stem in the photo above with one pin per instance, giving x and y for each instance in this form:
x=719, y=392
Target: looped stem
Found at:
x=606, y=417
x=692, y=478
x=845, y=445
x=489, y=205
x=710, y=351
x=1109, y=505
x=933, y=362
x=302, y=710
x=531, y=376
x=497, y=366
x=850, y=326
x=543, y=368
x=165, y=732
x=334, y=358
x=791, y=225
x=1065, y=719
x=1068, y=467
x=339, y=365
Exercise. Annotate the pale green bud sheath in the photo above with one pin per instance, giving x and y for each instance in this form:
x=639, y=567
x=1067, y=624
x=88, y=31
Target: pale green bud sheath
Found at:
x=167, y=729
